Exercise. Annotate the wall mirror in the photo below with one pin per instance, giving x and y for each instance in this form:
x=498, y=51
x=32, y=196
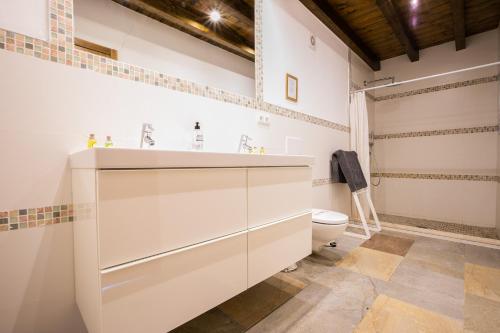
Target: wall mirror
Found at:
x=210, y=42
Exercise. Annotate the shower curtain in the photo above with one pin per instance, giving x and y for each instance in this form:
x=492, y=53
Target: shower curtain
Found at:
x=358, y=114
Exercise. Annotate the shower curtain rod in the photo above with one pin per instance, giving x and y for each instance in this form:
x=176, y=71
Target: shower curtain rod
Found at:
x=428, y=77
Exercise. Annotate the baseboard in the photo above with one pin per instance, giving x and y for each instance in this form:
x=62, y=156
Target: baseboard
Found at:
x=450, y=236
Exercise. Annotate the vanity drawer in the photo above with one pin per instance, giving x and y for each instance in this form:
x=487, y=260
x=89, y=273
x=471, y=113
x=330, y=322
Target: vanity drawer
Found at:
x=278, y=193
x=276, y=246
x=145, y=212
x=164, y=293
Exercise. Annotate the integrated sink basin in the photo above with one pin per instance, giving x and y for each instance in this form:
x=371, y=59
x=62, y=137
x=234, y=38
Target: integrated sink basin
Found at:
x=128, y=158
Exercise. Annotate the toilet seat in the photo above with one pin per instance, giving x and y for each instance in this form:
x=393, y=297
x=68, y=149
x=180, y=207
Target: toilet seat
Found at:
x=328, y=217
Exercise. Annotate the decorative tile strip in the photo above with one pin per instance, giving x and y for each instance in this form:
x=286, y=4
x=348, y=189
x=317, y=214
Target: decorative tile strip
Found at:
x=259, y=64
x=88, y=61
x=35, y=217
x=275, y=109
x=441, y=87
x=477, y=178
x=321, y=181
x=456, y=228
x=467, y=130
x=61, y=31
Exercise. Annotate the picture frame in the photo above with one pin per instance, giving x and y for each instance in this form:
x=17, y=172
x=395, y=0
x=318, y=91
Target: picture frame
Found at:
x=292, y=88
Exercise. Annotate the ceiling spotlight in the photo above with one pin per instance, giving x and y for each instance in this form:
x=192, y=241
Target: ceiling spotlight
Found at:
x=215, y=15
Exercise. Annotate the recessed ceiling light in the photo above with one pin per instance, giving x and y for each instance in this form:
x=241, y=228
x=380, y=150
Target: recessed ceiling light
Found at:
x=215, y=15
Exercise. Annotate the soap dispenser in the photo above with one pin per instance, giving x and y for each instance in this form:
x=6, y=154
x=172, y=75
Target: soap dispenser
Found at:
x=197, y=137
x=91, y=141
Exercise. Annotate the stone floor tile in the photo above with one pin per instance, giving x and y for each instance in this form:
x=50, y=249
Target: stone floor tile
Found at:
x=292, y=312
x=425, y=298
x=482, y=256
x=442, y=256
x=481, y=315
x=214, y=321
x=427, y=276
x=389, y=315
x=369, y=262
x=482, y=281
x=254, y=304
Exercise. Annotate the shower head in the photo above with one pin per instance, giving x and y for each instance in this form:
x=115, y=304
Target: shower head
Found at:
x=392, y=78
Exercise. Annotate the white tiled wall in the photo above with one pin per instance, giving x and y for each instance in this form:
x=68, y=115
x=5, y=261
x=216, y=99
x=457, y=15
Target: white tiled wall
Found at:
x=467, y=202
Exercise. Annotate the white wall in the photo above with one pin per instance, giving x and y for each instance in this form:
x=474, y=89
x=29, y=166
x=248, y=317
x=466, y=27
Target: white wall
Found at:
x=35, y=22
x=322, y=72
x=56, y=121
x=466, y=202
x=145, y=42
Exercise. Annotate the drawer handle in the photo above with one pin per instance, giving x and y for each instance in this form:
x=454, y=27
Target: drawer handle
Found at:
x=169, y=253
x=286, y=219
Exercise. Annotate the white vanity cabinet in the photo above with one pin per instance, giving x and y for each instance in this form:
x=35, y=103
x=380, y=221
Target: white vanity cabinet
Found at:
x=161, y=237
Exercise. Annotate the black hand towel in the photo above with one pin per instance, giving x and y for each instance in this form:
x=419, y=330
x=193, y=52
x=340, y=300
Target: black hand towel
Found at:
x=346, y=168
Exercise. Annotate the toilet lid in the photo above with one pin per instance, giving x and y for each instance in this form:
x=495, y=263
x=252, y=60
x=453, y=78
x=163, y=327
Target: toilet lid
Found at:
x=328, y=217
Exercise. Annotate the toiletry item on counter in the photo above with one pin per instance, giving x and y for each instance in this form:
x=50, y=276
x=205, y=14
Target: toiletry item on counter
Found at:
x=197, y=137
x=108, y=143
x=91, y=142
x=262, y=151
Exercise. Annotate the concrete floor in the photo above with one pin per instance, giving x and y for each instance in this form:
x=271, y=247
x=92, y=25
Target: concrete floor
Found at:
x=394, y=282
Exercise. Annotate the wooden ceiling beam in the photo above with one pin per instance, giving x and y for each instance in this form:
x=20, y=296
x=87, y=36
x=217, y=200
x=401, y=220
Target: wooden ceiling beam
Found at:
x=325, y=13
x=241, y=7
x=400, y=29
x=458, y=10
x=188, y=22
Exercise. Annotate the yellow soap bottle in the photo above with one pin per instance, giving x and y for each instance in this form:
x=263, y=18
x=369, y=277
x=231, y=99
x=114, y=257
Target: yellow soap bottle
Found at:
x=108, y=143
x=91, y=142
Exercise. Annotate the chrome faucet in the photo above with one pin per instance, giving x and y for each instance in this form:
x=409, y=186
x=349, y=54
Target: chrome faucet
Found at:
x=147, y=131
x=244, y=144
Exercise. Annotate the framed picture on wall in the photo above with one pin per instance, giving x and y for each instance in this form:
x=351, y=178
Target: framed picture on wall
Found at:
x=292, y=88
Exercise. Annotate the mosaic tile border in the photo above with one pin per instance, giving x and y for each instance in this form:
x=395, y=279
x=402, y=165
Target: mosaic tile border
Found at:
x=462, y=229
x=432, y=176
x=446, y=86
x=258, y=41
x=322, y=181
x=453, y=131
x=27, y=218
x=60, y=49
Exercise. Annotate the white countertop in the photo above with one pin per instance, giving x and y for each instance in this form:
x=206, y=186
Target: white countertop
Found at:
x=127, y=158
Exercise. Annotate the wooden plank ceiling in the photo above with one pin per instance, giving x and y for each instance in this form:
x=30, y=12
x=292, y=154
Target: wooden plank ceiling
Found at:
x=383, y=29
x=375, y=29
x=234, y=32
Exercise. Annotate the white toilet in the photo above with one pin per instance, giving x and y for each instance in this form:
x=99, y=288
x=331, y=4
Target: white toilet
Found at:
x=327, y=227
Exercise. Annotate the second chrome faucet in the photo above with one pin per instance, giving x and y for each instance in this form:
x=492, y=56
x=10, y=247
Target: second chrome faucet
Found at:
x=146, y=135
x=244, y=147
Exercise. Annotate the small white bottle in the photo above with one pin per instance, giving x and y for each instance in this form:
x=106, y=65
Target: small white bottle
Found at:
x=197, y=137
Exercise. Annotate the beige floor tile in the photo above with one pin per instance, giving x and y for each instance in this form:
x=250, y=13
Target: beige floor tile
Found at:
x=379, y=265
x=481, y=315
x=482, y=281
x=388, y=315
